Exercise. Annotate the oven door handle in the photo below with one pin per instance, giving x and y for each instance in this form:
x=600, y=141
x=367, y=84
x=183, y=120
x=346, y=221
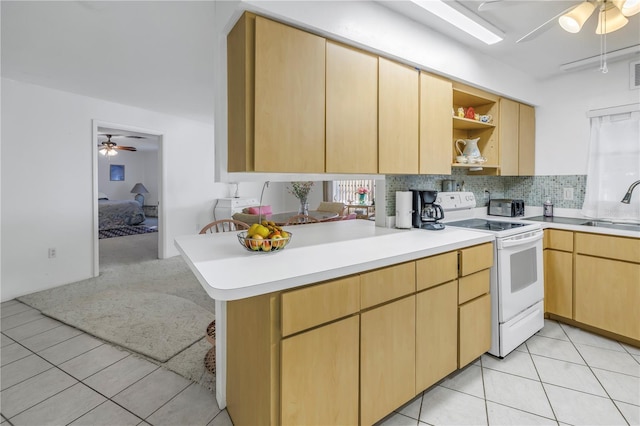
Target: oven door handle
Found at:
x=517, y=242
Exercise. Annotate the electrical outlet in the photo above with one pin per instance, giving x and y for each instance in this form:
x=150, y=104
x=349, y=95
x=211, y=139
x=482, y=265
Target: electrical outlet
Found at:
x=568, y=194
x=52, y=252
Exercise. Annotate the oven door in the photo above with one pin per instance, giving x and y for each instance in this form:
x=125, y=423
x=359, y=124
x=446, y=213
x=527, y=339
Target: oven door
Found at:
x=520, y=278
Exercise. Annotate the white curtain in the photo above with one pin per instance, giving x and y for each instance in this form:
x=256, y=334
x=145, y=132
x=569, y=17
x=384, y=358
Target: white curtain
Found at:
x=614, y=164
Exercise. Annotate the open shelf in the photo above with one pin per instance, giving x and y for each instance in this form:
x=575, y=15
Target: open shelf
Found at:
x=468, y=124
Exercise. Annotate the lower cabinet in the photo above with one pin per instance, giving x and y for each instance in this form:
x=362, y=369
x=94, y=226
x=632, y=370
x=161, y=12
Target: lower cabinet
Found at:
x=475, y=329
x=436, y=334
x=319, y=377
x=387, y=361
x=558, y=283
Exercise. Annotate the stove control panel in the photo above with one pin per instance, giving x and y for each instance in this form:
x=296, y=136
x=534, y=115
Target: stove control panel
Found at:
x=456, y=200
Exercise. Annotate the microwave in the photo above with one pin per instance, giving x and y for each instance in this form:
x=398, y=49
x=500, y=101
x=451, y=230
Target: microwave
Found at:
x=506, y=207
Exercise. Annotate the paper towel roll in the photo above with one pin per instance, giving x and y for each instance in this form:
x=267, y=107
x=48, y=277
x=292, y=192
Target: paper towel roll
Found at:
x=404, y=209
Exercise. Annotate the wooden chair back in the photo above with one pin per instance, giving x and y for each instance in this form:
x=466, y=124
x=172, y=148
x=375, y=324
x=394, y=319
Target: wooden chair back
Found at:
x=224, y=225
x=301, y=219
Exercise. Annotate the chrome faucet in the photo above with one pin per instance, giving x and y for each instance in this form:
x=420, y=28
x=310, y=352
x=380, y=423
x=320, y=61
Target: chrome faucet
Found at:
x=627, y=196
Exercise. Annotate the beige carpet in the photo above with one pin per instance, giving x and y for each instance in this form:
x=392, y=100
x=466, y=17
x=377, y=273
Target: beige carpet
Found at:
x=153, y=307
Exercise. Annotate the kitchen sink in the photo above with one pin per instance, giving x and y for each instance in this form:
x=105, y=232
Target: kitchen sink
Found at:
x=615, y=225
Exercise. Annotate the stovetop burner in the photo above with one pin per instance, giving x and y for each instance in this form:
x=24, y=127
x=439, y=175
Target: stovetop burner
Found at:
x=488, y=225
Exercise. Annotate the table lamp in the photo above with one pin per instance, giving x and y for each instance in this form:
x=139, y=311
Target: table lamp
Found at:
x=139, y=189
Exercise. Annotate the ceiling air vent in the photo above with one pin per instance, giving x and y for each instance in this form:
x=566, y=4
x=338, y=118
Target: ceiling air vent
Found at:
x=634, y=75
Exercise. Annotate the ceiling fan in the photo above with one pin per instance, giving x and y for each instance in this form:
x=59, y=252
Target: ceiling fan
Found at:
x=110, y=148
x=612, y=15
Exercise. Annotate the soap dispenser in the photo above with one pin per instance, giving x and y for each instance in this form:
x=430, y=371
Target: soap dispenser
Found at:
x=547, y=208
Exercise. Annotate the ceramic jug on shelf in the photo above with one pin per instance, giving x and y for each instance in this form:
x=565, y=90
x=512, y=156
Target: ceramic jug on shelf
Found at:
x=470, y=147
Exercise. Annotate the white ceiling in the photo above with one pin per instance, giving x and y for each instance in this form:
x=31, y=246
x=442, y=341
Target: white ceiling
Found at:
x=159, y=55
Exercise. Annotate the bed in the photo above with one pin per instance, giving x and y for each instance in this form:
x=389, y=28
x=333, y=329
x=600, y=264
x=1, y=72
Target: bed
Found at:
x=118, y=213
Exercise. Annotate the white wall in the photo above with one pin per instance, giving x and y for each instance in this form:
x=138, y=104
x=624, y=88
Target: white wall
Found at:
x=47, y=198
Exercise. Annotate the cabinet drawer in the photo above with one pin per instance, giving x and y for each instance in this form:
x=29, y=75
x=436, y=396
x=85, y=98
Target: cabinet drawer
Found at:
x=558, y=240
x=476, y=258
x=435, y=270
x=473, y=285
x=318, y=304
x=387, y=284
x=619, y=248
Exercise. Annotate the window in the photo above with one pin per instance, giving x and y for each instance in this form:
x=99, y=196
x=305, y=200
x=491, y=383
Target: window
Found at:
x=346, y=191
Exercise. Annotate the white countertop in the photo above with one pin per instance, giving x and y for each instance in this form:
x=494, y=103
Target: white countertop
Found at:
x=317, y=252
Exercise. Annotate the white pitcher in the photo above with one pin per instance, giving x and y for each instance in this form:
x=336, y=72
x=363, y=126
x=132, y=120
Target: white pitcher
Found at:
x=470, y=147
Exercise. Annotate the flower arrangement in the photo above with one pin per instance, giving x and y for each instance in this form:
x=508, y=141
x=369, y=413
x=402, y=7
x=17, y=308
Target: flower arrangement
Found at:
x=362, y=190
x=301, y=189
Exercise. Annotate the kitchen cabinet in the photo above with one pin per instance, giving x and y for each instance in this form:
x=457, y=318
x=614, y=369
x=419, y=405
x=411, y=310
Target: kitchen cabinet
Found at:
x=516, y=138
x=387, y=363
x=351, y=110
x=483, y=103
x=320, y=375
x=436, y=131
x=607, y=285
x=383, y=285
x=398, y=115
x=558, y=272
x=276, y=98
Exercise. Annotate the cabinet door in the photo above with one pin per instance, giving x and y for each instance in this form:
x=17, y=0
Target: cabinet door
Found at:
x=475, y=329
x=607, y=293
x=527, y=141
x=289, y=99
x=387, y=364
x=558, y=283
x=509, y=129
x=352, y=110
x=320, y=375
x=397, y=118
x=436, y=334
x=436, y=131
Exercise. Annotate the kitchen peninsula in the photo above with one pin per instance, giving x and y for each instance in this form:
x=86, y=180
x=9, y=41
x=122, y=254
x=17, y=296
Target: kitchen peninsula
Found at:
x=347, y=323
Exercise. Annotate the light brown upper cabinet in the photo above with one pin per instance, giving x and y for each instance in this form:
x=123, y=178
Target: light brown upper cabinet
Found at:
x=282, y=128
x=352, y=110
x=436, y=132
x=517, y=138
x=398, y=88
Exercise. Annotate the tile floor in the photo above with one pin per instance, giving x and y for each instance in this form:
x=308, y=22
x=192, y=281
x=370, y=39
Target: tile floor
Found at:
x=54, y=374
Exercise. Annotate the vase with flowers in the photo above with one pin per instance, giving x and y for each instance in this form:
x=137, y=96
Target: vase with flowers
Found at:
x=301, y=191
x=362, y=194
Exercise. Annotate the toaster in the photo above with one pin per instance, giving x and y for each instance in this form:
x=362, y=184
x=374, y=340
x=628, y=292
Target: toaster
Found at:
x=506, y=207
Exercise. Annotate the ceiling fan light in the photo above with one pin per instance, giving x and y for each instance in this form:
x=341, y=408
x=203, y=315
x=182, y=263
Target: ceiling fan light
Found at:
x=112, y=152
x=628, y=7
x=611, y=19
x=573, y=20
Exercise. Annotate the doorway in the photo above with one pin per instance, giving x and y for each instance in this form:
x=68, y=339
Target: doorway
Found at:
x=128, y=187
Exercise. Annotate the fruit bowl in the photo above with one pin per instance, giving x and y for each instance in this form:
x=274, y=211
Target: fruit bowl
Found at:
x=257, y=244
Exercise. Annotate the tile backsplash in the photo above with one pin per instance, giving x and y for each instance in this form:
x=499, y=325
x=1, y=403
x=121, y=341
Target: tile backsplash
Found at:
x=534, y=190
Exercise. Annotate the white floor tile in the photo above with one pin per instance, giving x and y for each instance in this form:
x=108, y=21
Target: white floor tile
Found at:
x=630, y=412
x=579, y=408
x=517, y=392
x=442, y=406
x=503, y=416
x=631, y=349
x=152, y=392
x=50, y=338
x=554, y=348
x=553, y=330
x=32, y=328
x=6, y=340
x=568, y=375
x=120, y=375
x=587, y=338
x=16, y=372
x=68, y=349
x=61, y=408
x=93, y=361
x=193, y=406
x=412, y=408
x=14, y=308
x=221, y=419
x=397, y=419
x=605, y=359
x=20, y=319
x=522, y=348
x=33, y=391
x=621, y=387
x=467, y=380
x=12, y=353
x=107, y=414
x=518, y=363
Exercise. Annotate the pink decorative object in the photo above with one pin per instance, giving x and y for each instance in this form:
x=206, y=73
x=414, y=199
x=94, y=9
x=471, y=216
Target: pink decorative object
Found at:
x=264, y=210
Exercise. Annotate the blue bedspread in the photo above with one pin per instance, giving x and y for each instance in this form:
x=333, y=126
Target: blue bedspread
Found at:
x=117, y=213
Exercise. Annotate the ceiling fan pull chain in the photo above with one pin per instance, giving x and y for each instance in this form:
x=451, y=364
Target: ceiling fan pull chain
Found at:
x=603, y=39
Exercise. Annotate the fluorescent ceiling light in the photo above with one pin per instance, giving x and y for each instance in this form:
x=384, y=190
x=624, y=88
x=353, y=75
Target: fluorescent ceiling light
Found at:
x=475, y=26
